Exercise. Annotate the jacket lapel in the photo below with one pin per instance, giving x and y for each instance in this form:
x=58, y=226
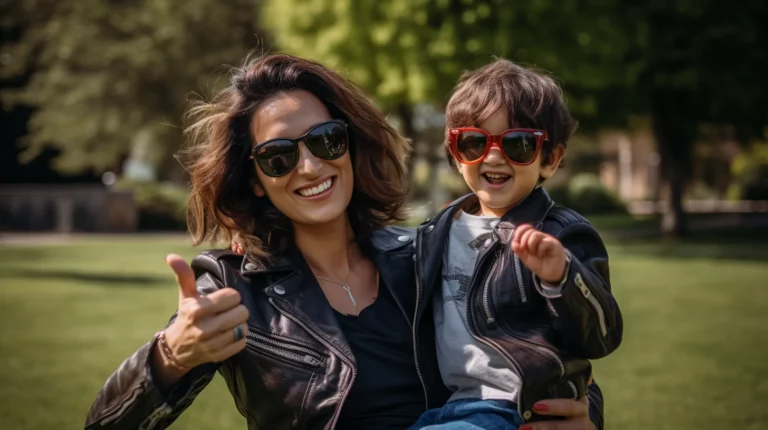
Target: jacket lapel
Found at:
x=297, y=292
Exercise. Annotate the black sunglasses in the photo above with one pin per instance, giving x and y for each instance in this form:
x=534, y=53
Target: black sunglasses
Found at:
x=277, y=157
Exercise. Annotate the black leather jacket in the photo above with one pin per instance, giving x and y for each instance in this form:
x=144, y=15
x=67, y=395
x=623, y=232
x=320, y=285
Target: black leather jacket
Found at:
x=547, y=340
x=297, y=368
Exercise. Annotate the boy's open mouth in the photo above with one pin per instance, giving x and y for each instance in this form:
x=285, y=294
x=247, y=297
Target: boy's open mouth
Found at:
x=496, y=178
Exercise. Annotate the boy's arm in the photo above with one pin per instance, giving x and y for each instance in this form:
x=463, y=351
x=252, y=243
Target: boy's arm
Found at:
x=595, y=397
x=582, y=307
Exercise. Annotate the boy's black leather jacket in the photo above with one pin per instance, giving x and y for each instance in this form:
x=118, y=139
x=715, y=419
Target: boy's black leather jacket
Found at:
x=548, y=340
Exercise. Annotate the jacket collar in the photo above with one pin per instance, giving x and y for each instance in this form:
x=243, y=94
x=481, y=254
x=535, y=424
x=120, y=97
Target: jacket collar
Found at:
x=381, y=242
x=532, y=210
x=289, y=283
x=433, y=234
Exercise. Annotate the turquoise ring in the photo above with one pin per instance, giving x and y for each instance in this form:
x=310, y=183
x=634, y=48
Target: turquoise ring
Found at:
x=239, y=333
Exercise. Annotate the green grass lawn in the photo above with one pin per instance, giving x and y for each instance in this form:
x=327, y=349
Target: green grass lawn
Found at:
x=694, y=354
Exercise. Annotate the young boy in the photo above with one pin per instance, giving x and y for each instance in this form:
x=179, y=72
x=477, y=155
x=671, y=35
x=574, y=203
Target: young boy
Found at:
x=520, y=287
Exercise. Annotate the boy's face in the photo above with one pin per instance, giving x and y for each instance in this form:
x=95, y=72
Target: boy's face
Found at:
x=499, y=184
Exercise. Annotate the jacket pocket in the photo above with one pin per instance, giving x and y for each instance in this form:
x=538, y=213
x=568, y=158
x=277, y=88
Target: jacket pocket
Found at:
x=284, y=351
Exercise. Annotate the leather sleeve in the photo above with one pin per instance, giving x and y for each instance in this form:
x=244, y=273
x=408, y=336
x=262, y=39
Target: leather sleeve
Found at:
x=131, y=400
x=584, y=311
x=595, y=396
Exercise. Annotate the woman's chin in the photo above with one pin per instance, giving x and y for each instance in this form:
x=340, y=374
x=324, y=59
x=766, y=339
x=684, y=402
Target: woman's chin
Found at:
x=322, y=217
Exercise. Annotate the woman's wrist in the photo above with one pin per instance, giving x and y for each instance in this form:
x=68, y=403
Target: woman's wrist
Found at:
x=165, y=369
x=167, y=353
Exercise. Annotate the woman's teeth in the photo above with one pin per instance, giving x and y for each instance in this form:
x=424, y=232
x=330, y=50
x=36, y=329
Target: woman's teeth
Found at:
x=313, y=191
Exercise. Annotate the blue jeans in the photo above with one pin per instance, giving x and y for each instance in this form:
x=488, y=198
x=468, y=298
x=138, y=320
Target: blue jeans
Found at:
x=471, y=414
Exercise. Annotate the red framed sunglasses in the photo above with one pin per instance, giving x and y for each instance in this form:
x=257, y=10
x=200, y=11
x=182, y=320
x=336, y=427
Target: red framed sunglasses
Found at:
x=520, y=146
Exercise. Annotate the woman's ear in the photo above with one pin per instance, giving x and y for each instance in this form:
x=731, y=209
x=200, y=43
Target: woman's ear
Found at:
x=258, y=189
x=550, y=165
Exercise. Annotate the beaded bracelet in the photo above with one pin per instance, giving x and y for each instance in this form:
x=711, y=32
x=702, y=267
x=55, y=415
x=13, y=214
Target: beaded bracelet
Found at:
x=165, y=350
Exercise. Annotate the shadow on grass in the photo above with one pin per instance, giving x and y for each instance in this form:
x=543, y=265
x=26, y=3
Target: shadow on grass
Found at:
x=722, y=244
x=12, y=254
x=112, y=279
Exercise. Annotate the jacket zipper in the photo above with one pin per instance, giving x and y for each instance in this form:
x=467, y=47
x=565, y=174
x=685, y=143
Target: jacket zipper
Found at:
x=337, y=412
x=498, y=348
x=519, y=276
x=593, y=301
x=310, y=357
x=415, y=315
x=489, y=319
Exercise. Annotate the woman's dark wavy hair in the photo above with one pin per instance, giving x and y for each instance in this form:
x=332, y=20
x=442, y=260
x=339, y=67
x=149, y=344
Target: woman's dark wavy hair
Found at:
x=222, y=203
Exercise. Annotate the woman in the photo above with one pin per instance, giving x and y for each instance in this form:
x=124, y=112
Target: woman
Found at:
x=314, y=329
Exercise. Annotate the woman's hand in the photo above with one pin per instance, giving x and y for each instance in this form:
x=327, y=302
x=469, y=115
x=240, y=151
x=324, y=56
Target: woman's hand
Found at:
x=207, y=328
x=576, y=413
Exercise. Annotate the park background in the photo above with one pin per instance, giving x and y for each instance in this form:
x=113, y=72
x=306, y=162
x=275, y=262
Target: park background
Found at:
x=670, y=162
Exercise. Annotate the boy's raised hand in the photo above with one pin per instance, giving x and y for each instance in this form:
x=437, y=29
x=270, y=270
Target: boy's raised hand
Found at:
x=543, y=254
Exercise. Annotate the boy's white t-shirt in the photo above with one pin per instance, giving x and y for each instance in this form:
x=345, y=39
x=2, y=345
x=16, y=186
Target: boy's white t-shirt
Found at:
x=469, y=368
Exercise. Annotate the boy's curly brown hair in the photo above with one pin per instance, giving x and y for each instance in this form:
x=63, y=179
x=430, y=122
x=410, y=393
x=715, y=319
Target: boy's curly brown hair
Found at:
x=532, y=99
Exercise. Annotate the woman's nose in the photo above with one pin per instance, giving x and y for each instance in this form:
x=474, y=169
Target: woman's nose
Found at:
x=308, y=163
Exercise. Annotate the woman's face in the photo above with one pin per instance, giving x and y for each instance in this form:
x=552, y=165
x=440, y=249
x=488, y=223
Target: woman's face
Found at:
x=301, y=195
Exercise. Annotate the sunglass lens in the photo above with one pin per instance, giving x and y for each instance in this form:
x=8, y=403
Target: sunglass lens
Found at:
x=470, y=146
x=328, y=141
x=519, y=146
x=277, y=157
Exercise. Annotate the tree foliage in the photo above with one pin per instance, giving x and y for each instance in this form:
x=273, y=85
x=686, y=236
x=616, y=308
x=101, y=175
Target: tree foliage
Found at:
x=102, y=71
x=692, y=66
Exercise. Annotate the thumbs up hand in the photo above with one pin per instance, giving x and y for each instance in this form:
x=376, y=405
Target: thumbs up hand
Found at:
x=207, y=328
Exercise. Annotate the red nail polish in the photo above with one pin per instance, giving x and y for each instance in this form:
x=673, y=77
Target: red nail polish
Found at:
x=540, y=407
x=525, y=427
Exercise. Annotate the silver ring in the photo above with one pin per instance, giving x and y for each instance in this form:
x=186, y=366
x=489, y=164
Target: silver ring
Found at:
x=239, y=333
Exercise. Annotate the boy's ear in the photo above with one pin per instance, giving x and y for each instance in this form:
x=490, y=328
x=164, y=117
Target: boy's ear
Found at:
x=459, y=167
x=550, y=165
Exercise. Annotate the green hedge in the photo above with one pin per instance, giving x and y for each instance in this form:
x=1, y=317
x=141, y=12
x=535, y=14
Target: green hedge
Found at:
x=586, y=194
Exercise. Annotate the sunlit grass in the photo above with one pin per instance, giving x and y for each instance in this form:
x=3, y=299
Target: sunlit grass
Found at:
x=694, y=354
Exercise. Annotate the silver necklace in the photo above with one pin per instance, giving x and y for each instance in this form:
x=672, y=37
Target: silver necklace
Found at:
x=346, y=288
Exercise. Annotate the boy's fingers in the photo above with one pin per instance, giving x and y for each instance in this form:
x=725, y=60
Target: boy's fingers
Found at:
x=526, y=239
x=535, y=244
x=521, y=229
x=517, y=234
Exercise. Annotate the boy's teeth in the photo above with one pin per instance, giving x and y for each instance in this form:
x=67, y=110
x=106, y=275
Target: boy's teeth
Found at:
x=309, y=192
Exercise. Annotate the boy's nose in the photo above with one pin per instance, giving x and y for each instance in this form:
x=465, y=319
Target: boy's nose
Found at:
x=494, y=156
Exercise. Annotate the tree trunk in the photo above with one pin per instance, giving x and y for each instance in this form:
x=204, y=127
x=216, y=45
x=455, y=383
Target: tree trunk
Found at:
x=674, y=140
x=674, y=221
x=405, y=114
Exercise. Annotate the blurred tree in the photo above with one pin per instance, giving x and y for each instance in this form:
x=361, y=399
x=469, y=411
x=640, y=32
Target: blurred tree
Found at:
x=106, y=78
x=686, y=64
x=698, y=69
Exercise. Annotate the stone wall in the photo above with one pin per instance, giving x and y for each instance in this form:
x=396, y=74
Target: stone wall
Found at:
x=66, y=209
